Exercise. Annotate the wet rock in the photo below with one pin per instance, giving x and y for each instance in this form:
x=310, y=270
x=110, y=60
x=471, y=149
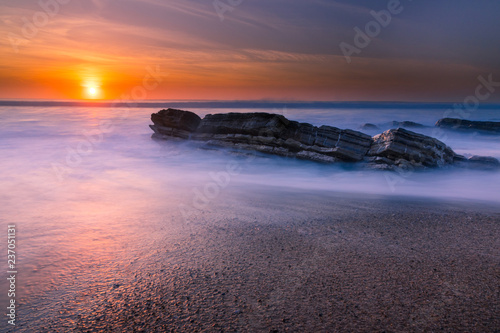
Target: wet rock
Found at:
x=417, y=149
x=266, y=133
x=274, y=134
x=352, y=146
x=176, y=119
x=379, y=160
x=462, y=124
x=254, y=124
x=174, y=123
x=312, y=156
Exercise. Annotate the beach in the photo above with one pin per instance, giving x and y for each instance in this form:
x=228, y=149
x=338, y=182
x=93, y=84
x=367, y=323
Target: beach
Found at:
x=116, y=231
x=271, y=259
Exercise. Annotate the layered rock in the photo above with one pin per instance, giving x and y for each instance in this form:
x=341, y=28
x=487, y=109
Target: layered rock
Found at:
x=268, y=133
x=462, y=124
x=400, y=146
x=175, y=123
x=275, y=134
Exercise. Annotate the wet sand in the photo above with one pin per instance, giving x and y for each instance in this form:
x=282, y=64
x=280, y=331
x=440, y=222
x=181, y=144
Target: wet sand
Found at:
x=283, y=260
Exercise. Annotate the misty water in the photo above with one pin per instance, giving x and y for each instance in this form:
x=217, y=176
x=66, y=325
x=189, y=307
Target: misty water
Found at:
x=91, y=193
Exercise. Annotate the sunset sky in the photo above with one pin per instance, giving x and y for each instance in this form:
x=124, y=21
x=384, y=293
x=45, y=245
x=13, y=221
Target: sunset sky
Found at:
x=256, y=49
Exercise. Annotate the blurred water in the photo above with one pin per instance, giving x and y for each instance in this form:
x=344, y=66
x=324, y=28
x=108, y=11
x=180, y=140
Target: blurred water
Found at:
x=82, y=198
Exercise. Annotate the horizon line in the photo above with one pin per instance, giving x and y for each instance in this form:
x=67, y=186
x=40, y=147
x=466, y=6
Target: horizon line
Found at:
x=262, y=103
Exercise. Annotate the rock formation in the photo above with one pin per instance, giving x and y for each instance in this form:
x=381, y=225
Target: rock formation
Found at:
x=462, y=124
x=175, y=123
x=275, y=134
x=401, y=147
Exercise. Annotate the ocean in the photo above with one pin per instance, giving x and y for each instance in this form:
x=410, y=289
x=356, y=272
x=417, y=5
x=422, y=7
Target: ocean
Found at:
x=91, y=193
x=48, y=149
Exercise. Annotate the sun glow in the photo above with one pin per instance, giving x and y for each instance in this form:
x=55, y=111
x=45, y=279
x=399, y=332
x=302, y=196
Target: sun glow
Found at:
x=92, y=92
x=91, y=79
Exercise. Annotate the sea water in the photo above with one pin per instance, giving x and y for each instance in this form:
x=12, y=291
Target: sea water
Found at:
x=91, y=193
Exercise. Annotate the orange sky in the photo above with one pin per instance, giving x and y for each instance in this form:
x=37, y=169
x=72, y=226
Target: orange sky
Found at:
x=260, y=50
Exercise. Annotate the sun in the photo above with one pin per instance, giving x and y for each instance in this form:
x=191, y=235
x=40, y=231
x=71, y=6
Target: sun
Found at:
x=92, y=92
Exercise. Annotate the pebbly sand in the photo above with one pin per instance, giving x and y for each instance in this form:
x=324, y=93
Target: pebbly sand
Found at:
x=282, y=260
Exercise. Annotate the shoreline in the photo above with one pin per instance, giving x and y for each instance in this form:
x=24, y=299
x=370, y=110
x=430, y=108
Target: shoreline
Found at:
x=280, y=259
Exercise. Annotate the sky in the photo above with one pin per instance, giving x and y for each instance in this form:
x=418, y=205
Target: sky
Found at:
x=325, y=50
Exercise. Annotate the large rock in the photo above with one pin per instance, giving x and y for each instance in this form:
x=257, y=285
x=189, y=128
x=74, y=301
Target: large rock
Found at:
x=265, y=132
x=462, y=124
x=401, y=146
x=274, y=134
x=176, y=123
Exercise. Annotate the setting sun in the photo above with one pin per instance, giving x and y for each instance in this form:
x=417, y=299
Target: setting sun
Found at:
x=92, y=92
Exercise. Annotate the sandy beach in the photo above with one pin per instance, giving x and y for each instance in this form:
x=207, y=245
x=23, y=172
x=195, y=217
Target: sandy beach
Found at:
x=268, y=259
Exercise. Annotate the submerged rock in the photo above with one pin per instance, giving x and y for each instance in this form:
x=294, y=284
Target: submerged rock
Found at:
x=483, y=162
x=369, y=127
x=462, y=124
x=407, y=124
x=275, y=134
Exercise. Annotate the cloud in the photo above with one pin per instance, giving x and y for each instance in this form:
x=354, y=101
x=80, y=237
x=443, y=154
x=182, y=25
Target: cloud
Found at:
x=276, y=44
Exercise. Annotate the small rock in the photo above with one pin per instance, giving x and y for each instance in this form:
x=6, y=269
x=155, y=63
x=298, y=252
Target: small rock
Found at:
x=483, y=163
x=369, y=127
